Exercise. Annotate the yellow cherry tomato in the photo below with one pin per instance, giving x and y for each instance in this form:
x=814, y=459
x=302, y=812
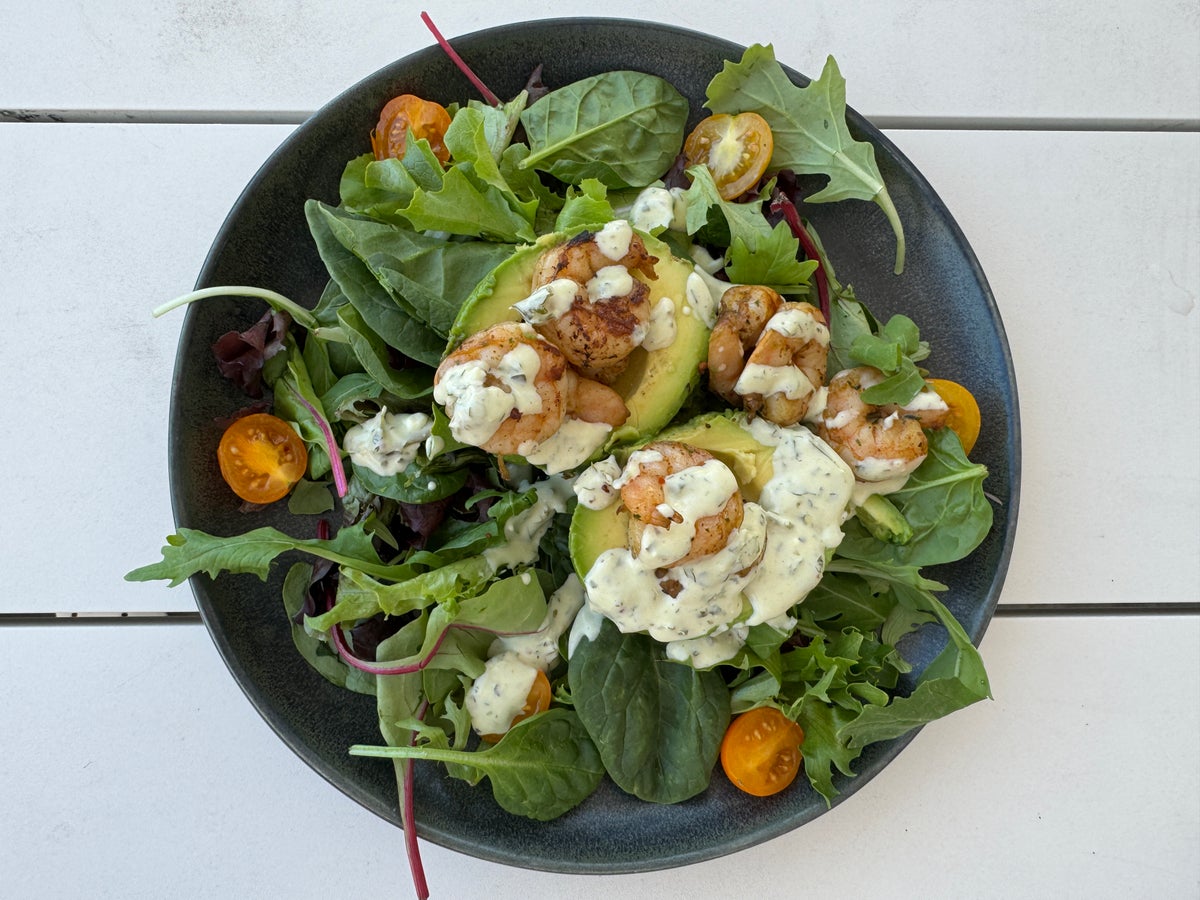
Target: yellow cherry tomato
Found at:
x=760, y=752
x=261, y=457
x=736, y=149
x=405, y=115
x=538, y=700
x=964, y=418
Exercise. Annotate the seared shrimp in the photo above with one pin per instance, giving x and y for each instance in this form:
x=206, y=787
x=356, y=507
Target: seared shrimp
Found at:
x=592, y=401
x=878, y=442
x=593, y=308
x=504, y=389
x=677, y=486
x=767, y=355
x=743, y=314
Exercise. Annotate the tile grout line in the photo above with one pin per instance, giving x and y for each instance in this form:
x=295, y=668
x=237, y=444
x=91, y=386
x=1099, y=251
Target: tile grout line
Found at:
x=1011, y=610
x=1171, y=124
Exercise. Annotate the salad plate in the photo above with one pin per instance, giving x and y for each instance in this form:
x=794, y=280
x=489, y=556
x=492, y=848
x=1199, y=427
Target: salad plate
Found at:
x=265, y=242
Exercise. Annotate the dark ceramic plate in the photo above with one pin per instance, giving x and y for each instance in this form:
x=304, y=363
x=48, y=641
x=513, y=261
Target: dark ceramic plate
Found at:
x=265, y=242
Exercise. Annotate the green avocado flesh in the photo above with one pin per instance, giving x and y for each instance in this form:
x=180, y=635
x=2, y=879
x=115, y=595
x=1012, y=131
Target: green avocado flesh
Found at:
x=655, y=383
x=595, y=530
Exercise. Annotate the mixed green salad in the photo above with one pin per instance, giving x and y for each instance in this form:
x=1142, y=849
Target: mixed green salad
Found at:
x=439, y=562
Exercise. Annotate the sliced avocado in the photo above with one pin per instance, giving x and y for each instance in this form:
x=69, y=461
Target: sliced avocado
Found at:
x=655, y=383
x=883, y=520
x=595, y=530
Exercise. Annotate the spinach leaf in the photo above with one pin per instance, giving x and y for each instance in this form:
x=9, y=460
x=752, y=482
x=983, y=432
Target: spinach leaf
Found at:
x=943, y=501
x=657, y=724
x=809, y=127
x=622, y=128
x=365, y=294
x=372, y=352
x=415, y=484
x=427, y=277
x=544, y=766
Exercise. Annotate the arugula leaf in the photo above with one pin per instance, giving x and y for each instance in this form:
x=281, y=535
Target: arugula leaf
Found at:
x=622, y=128
x=809, y=128
x=895, y=350
x=189, y=552
x=541, y=768
x=657, y=724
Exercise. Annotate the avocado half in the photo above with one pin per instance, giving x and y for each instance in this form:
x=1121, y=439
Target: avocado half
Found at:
x=655, y=383
x=722, y=434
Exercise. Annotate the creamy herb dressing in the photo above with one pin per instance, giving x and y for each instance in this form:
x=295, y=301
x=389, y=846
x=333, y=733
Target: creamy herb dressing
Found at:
x=614, y=238
x=524, y=531
x=653, y=210
x=594, y=485
x=691, y=494
x=627, y=590
x=609, y=282
x=661, y=329
x=570, y=446
x=769, y=565
x=926, y=400
x=388, y=443
x=548, y=302
x=477, y=409
x=703, y=294
x=808, y=498
x=766, y=380
x=540, y=649
x=499, y=694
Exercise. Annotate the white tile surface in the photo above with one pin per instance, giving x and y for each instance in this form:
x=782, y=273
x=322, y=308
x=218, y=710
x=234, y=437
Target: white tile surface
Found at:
x=140, y=770
x=1073, y=59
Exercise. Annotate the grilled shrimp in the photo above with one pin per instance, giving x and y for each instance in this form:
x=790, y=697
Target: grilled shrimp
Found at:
x=591, y=306
x=878, y=442
x=671, y=486
x=507, y=390
x=767, y=355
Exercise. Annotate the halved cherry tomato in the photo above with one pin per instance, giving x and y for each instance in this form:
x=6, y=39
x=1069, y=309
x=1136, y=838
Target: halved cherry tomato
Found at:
x=736, y=149
x=405, y=115
x=760, y=752
x=538, y=700
x=964, y=417
x=261, y=457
